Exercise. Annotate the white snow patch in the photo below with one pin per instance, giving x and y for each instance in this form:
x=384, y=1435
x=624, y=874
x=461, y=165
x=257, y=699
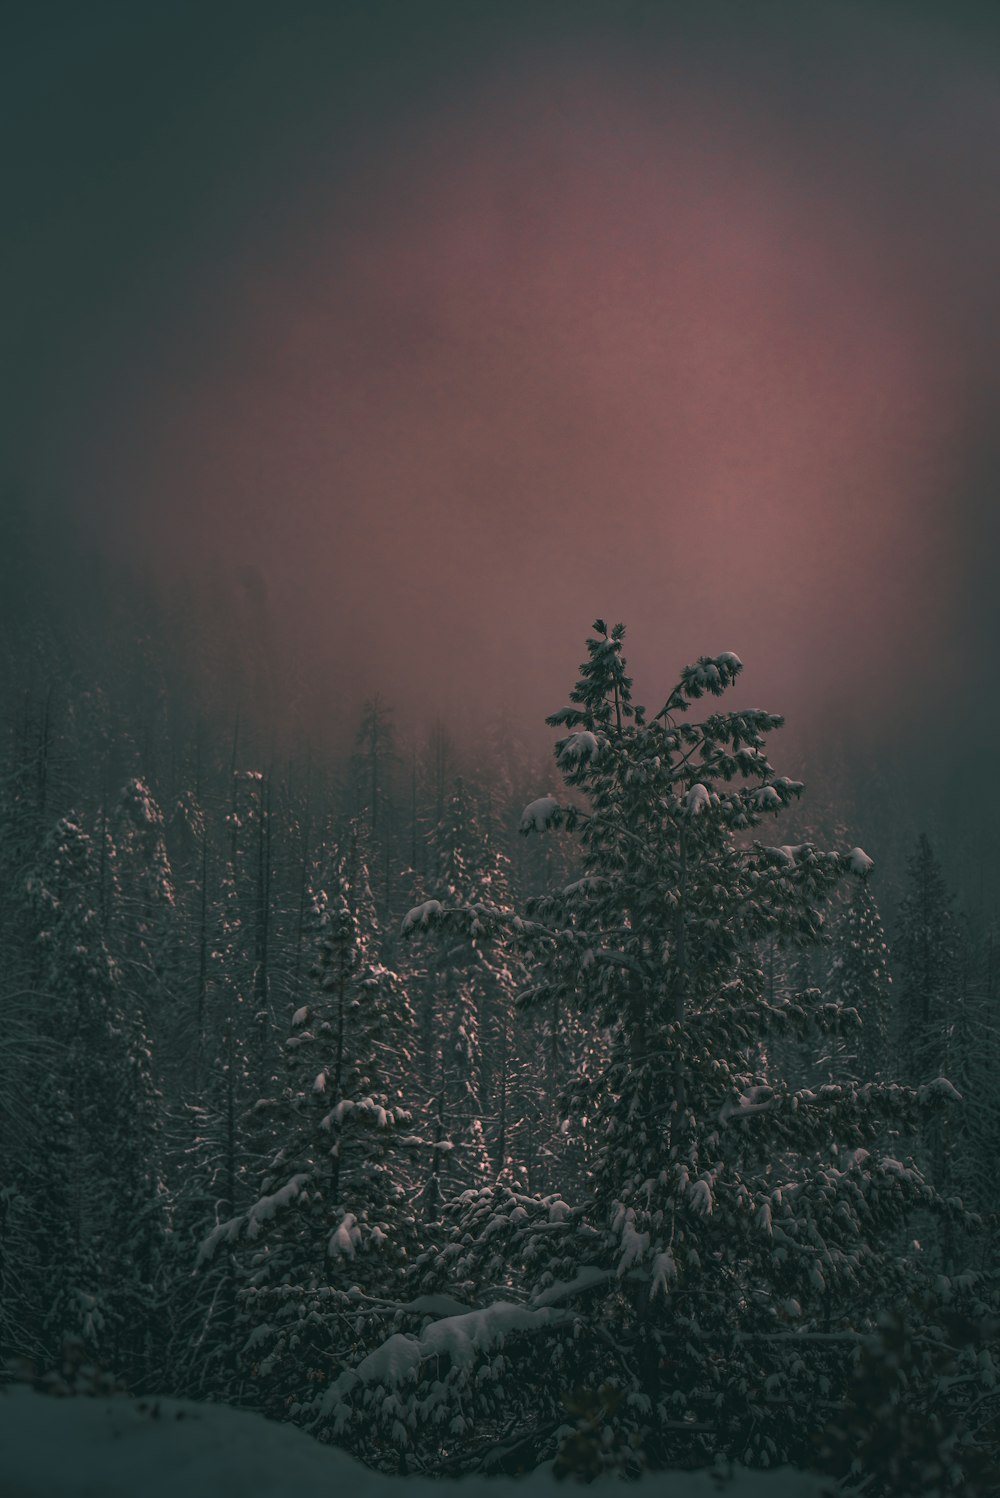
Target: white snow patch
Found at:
x=586, y=886
x=460, y=1338
x=421, y=915
x=698, y=799
x=940, y=1087
x=664, y=1274
x=788, y=853
x=268, y=1206
x=701, y=1198
x=580, y=746
x=344, y=1242
x=540, y=814
x=585, y=1279
x=118, y=1447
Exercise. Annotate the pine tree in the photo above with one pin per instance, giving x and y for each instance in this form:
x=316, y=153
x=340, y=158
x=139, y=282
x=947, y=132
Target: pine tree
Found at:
x=95, y=1128
x=926, y=952
x=467, y=999
x=215, y=1172
x=859, y=979
x=334, y=1205
x=733, y=1223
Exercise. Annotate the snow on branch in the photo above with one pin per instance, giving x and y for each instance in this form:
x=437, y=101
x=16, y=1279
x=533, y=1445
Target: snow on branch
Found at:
x=421, y=916
x=940, y=1087
x=261, y=1211
x=788, y=854
x=698, y=799
x=858, y=862
x=460, y=1338
x=710, y=673
x=540, y=814
x=586, y=1278
x=579, y=748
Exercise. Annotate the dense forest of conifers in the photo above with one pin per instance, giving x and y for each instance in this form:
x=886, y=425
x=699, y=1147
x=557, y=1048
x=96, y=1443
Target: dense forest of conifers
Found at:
x=472, y=1109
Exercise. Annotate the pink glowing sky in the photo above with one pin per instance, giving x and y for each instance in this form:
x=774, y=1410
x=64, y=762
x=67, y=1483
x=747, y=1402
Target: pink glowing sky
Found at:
x=586, y=331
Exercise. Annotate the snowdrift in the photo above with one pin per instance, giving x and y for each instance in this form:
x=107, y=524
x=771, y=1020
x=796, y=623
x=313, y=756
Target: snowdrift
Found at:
x=174, y=1448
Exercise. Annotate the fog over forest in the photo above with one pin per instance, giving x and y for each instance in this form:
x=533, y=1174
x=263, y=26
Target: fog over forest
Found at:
x=458, y=324
x=366, y=365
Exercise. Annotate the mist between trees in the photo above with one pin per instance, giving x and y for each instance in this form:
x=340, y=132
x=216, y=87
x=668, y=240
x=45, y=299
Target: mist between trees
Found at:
x=474, y=1112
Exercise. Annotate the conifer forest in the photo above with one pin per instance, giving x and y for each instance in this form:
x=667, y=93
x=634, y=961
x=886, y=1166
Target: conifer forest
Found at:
x=499, y=844
x=633, y=1125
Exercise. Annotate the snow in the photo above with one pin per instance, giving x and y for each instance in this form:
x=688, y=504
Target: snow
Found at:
x=633, y=1243
x=459, y=1338
x=365, y=1108
x=586, y=886
x=700, y=1197
x=300, y=1017
x=697, y=800
x=421, y=915
x=435, y=1305
x=344, y=1242
x=754, y=1100
x=261, y=1211
x=939, y=1087
x=539, y=814
x=580, y=746
x=586, y=1278
x=269, y=1206
x=858, y=862
x=664, y=1273
x=160, y=1448
x=712, y=673
x=788, y=853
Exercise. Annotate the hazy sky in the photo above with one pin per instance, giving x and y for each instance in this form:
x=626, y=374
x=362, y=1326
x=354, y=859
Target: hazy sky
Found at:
x=467, y=322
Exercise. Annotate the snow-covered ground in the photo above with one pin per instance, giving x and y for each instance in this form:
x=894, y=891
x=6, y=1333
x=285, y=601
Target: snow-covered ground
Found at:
x=174, y=1448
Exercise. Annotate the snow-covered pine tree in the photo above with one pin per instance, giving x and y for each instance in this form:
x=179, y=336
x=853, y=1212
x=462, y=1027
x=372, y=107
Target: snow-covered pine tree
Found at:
x=927, y=957
x=926, y=950
x=215, y=1172
x=146, y=889
x=95, y=1128
x=975, y=1061
x=464, y=984
x=375, y=762
x=735, y=1229
x=25, y=1055
x=334, y=1205
x=963, y=1145
x=859, y=979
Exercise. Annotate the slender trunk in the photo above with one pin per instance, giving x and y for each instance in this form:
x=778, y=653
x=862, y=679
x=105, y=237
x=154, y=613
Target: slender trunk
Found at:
x=263, y=902
x=680, y=974
x=338, y=1070
x=502, y=1088
x=300, y=922
x=413, y=809
x=202, y=938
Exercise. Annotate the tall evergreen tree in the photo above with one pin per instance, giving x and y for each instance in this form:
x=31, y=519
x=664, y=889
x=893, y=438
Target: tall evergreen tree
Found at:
x=733, y=1224
x=926, y=951
x=334, y=1203
x=95, y=1125
x=859, y=979
x=468, y=998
